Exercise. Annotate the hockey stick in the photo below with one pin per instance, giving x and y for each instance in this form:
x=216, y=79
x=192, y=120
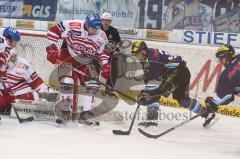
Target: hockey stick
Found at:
x=169, y=130
x=21, y=120
x=116, y=132
x=120, y=132
x=83, y=74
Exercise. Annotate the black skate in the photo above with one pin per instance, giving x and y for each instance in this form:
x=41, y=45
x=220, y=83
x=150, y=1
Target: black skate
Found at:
x=86, y=117
x=147, y=124
x=210, y=120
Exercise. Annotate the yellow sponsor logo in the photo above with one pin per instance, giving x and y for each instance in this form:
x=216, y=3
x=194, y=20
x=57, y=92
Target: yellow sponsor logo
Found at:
x=157, y=35
x=27, y=10
x=170, y=102
x=29, y=24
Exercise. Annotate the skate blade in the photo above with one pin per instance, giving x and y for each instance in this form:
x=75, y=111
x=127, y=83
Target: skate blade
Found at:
x=212, y=123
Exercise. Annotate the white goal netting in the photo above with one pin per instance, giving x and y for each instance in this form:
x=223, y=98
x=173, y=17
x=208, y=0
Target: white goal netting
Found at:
x=32, y=47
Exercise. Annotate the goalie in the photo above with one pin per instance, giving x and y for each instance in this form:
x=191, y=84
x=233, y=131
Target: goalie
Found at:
x=21, y=81
x=173, y=76
x=8, y=41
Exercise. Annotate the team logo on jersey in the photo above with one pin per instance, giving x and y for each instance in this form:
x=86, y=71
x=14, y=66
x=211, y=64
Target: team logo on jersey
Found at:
x=34, y=76
x=83, y=49
x=22, y=66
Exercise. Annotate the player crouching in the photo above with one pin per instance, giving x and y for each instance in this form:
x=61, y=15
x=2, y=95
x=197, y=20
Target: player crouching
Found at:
x=173, y=76
x=8, y=41
x=21, y=81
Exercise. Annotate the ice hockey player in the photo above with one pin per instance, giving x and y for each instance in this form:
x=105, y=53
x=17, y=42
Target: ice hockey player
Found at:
x=83, y=44
x=174, y=77
x=228, y=82
x=114, y=39
x=22, y=81
x=8, y=41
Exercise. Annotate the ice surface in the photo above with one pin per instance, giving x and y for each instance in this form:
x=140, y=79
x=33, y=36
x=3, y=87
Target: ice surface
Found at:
x=44, y=140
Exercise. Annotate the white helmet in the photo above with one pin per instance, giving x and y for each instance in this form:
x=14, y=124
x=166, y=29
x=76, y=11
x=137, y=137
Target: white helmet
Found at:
x=107, y=16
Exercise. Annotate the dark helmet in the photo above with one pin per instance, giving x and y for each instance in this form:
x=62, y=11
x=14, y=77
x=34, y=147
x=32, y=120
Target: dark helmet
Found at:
x=226, y=51
x=138, y=46
x=11, y=33
x=93, y=20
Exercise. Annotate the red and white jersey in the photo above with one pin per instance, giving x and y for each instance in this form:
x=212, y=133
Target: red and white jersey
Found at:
x=4, y=55
x=81, y=46
x=22, y=79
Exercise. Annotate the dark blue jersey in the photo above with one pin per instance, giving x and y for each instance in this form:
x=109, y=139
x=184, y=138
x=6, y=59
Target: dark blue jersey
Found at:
x=229, y=83
x=158, y=62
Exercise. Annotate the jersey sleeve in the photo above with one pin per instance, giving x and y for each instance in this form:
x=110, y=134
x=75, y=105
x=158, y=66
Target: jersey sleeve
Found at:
x=32, y=78
x=168, y=60
x=4, y=57
x=224, y=92
x=101, y=57
x=61, y=29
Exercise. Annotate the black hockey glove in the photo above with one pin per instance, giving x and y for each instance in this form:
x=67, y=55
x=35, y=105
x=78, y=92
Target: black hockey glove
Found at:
x=146, y=97
x=181, y=65
x=211, y=107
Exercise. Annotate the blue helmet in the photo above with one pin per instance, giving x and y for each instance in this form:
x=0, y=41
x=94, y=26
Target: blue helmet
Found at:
x=93, y=20
x=11, y=33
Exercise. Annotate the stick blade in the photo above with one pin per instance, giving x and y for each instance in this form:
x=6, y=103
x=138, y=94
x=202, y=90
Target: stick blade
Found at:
x=120, y=132
x=29, y=119
x=148, y=135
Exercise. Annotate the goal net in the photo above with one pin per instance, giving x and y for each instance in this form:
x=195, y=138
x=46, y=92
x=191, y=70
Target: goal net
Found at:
x=32, y=47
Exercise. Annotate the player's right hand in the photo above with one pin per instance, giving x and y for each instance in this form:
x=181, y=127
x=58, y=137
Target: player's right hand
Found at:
x=210, y=105
x=52, y=53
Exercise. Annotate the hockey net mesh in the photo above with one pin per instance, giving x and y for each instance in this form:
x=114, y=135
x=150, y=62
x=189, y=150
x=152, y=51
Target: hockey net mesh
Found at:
x=32, y=47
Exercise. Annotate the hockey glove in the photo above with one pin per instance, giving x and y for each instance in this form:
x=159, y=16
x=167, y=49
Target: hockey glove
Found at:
x=210, y=105
x=146, y=97
x=52, y=53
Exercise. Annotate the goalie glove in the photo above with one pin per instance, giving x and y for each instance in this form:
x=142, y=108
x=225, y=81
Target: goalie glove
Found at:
x=52, y=53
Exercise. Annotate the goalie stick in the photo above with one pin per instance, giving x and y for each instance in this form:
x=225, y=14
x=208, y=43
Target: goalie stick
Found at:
x=21, y=120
